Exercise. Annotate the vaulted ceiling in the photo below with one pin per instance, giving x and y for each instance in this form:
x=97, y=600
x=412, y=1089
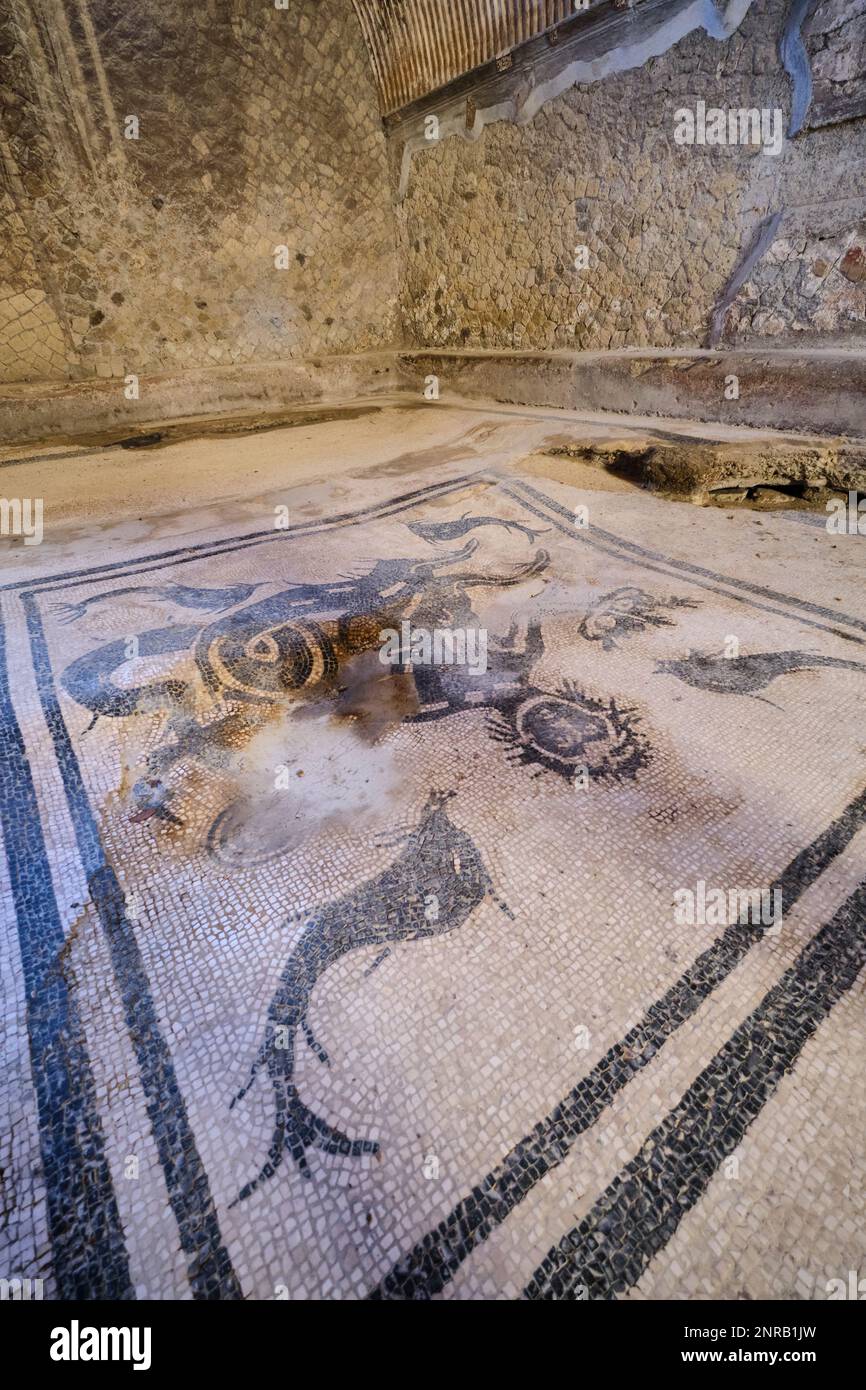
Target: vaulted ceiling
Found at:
x=417, y=46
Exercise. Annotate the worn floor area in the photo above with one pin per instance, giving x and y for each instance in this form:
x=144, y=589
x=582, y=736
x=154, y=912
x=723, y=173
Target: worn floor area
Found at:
x=537, y=975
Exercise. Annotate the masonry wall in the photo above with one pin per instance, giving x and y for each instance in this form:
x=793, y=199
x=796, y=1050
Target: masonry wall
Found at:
x=488, y=228
x=258, y=127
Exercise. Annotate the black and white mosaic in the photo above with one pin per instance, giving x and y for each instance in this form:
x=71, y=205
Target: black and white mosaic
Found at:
x=338, y=977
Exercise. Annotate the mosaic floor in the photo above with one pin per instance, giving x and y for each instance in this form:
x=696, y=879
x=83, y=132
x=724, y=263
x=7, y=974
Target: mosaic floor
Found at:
x=325, y=978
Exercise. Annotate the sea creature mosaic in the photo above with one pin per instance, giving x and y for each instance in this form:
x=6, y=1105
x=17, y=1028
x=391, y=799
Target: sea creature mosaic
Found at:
x=350, y=977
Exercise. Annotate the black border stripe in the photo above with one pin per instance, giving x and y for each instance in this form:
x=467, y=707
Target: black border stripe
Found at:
x=185, y=554
x=506, y=483
x=435, y=1259
x=84, y=1227
x=642, y=553
x=210, y=1269
x=641, y=1209
x=691, y=574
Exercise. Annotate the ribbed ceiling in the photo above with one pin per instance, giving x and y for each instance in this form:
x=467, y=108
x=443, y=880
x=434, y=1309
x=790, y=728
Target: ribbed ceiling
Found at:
x=417, y=46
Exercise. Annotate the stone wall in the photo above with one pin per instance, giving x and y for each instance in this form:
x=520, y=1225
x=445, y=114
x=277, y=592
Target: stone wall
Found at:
x=811, y=284
x=257, y=127
x=489, y=225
